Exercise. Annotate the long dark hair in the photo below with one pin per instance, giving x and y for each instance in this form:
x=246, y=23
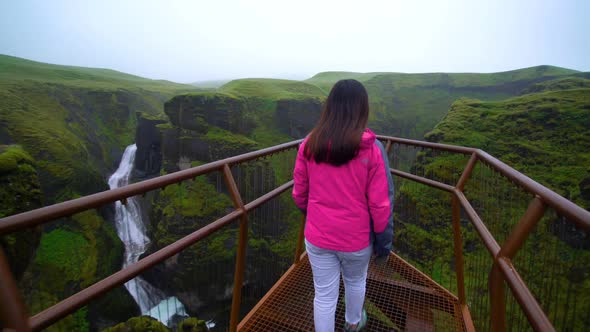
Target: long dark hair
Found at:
x=337, y=136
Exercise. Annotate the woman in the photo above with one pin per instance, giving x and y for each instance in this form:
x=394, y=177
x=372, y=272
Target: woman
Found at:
x=343, y=185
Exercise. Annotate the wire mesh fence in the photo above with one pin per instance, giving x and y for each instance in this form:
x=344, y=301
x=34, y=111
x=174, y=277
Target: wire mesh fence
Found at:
x=554, y=262
x=198, y=281
x=422, y=214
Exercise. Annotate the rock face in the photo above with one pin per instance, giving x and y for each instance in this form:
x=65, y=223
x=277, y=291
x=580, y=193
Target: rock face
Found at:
x=204, y=127
x=138, y=324
x=296, y=118
x=211, y=126
x=73, y=137
x=148, y=158
x=198, y=111
x=19, y=192
x=192, y=325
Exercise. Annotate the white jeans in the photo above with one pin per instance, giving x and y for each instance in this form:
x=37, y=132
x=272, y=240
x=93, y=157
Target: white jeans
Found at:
x=326, y=266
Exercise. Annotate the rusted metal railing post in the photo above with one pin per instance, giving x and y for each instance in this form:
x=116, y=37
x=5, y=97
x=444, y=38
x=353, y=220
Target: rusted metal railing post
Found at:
x=467, y=172
x=299, y=248
x=242, y=244
x=12, y=310
x=456, y=211
x=513, y=243
x=529, y=220
x=497, y=300
x=388, y=147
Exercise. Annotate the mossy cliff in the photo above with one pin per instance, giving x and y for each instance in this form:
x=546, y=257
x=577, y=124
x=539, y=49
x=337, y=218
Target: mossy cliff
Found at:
x=410, y=105
x=21, y=192
x=145, y=323
x=63, y=130
x=71, y=126
x=545, y=135
x=205, y=127
x=242, y=116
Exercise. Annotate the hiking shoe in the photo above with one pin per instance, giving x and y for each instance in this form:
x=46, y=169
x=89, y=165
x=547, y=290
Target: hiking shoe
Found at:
x=360, y=326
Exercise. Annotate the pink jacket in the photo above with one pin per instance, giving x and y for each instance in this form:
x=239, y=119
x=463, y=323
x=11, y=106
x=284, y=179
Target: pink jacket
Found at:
x=340, y=201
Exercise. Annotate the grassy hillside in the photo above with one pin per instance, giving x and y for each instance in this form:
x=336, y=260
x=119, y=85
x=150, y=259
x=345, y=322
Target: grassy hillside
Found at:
x=72, y=123
x=271, y=88
x=409, y=105
x=273, y=104
x=63, y=130
x=13, y=70
x=567, y=83
x=326, y=80
x=213, y=84
x=545, y=135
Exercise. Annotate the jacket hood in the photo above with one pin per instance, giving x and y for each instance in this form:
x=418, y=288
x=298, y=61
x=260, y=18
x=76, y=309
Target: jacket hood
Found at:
x=368, y=139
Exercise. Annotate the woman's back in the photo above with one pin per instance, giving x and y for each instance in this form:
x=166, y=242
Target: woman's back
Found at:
x=340, y=200
x=342, y=182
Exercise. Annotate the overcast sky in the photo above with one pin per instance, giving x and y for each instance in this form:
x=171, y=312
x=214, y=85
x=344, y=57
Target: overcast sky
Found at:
x=187, y=41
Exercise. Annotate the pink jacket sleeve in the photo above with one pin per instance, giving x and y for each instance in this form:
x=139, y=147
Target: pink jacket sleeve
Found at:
x=301, y=180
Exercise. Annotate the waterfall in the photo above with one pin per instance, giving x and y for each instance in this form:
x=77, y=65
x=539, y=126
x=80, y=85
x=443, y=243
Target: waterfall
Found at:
x=131, y=229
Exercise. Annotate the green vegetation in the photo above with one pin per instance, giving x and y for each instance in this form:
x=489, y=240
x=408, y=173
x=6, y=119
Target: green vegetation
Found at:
x=71, y=119
x=20, y=184
x=149, y=324
x=70, y=125
x=11, y=157
x=139, y=324
x=218, y=135
x=567, y=83
x=77, y=321
x=272, y=89
x=65, y=253
x=18, y=70
x=64, y=129
x=327, y=79
x=74, y=255
x=409, y=105
x=82, y=251
x=190, y=199
x=213, y=84
x=545, y=135
x=19, y=192
x=192, y=325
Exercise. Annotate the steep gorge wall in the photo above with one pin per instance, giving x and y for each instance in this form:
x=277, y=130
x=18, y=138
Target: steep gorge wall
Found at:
x=211, y=126
x=202, y=128
x=71, y=139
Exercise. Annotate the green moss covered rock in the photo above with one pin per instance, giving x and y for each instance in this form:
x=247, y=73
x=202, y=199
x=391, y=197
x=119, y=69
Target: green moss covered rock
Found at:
x=192, y=325
x=198, y=111
x=19, y=192
x=139, y=324
x=148, y=138
x=545, y=135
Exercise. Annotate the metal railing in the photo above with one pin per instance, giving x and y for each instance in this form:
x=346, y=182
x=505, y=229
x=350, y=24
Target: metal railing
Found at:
x=484, y=217
x=418, y=170
x=13, y=311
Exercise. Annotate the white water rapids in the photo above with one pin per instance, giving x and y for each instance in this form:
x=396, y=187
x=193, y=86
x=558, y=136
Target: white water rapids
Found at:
x=131, y=229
